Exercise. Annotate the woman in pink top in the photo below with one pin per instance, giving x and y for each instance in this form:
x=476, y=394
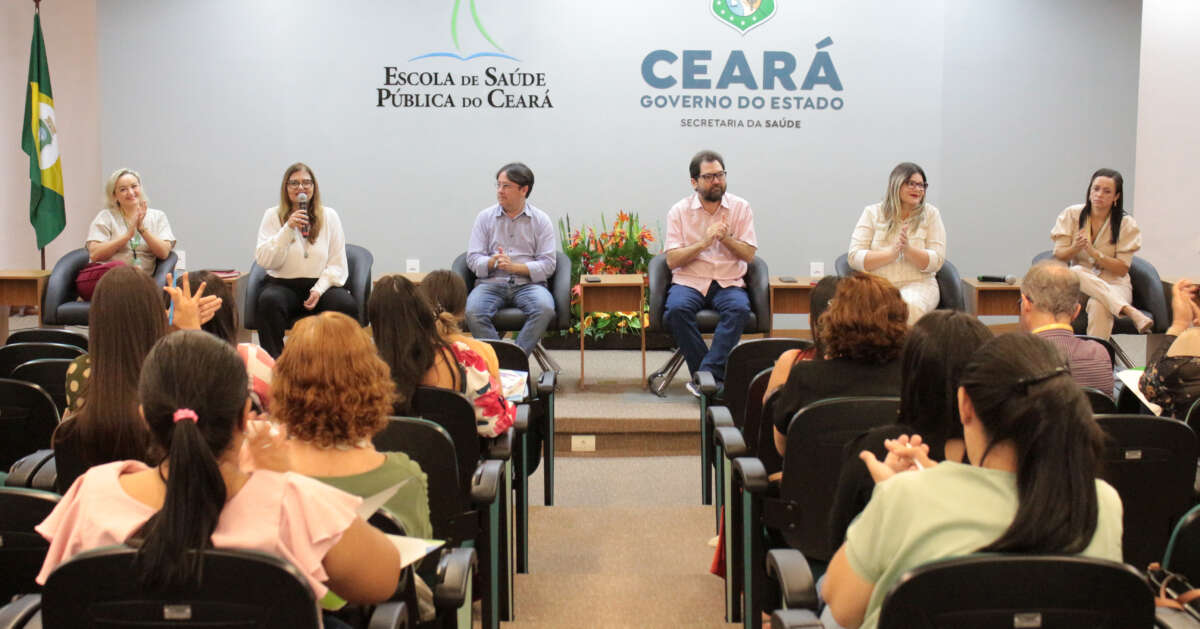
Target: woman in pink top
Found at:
x=194, y=400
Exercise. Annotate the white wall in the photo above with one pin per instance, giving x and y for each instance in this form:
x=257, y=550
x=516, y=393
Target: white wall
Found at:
x=69, y=30
x=1168, y=142
x=1008, y=106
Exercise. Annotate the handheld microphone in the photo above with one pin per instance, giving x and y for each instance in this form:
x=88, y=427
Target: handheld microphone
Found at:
x=1007, y=279
x=302, y=203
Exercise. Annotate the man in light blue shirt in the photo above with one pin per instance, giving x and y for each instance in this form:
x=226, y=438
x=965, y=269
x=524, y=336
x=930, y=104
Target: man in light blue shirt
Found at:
x=512, y=253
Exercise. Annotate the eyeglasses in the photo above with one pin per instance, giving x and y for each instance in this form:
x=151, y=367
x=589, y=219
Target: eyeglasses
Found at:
x=505, y=185
x=917, y=185
x=296, y=184
x=715, y=176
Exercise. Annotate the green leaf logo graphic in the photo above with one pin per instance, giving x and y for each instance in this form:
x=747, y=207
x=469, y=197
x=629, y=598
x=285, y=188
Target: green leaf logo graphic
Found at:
x=742, y=15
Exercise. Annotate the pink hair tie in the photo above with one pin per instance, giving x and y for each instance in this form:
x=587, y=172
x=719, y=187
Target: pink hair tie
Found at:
x=186, y=413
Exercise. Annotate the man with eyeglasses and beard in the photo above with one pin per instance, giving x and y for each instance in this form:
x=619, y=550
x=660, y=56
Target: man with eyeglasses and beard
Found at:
x=710, y=241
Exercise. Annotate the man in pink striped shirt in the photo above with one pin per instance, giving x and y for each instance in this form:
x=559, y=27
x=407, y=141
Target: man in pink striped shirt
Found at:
x=710, y=241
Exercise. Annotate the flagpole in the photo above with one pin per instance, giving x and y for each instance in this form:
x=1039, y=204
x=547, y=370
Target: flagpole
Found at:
x=37, y=8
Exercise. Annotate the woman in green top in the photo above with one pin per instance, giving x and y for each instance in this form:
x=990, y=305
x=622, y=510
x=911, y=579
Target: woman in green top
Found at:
x=1030, y=487
x=333, y=393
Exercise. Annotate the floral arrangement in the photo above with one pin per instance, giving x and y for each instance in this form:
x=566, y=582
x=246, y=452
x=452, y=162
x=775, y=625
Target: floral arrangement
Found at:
x=625, y=248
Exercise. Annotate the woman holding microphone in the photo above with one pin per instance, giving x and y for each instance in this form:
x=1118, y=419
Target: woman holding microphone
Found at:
x=303, y=248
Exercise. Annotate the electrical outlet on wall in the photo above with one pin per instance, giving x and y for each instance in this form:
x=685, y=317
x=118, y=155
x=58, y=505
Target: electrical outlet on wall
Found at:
x=412, y=265
x=816, y=269
x=583, y=443
x=181, y=264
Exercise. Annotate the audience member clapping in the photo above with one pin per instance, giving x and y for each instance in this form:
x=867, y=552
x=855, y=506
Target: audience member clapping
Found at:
x=934, y=354
x=1030, y=487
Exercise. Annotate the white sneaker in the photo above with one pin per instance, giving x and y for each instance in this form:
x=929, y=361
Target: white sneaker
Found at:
x=1142, y=322
x=693, y=388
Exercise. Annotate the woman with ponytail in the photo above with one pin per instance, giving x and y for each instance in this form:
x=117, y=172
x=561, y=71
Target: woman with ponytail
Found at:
x=194, y=401
x=418, y=337
x=1030, y=487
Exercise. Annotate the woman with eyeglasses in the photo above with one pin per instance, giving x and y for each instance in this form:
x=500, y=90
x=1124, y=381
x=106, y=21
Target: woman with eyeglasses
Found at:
x=127, y=230
x=1098, y=239
x=902, y=239
x=1029, y=486
x=303, y=248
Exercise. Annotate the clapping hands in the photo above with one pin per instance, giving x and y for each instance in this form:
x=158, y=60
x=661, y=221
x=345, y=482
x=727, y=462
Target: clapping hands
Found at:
x=904, y=454
x=1184, y=310
x=717, y=231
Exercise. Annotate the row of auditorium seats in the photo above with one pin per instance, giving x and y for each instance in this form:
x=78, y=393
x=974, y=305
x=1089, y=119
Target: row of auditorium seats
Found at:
x=1151, y=461
x=478, y=491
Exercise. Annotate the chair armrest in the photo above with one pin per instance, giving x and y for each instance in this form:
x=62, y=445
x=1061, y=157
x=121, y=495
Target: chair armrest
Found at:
x=795, y=619
x=485, y=484
x=390, y=615
x=751, y=473
x=796, y=585
x=500, y=447
x=546, y=383
x=60, y=287
x=165, y=266
x=454, y=578
x=560, y=290
x=707, y=383
x=16, y=614
x=719, y=416
x=659, y=275
x=758, y=289
x=521, y=421
x=730, y=439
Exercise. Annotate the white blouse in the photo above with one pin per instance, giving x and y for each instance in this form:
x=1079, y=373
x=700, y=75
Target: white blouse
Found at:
x=109, y=224
x=284, y=254
x=871, y=234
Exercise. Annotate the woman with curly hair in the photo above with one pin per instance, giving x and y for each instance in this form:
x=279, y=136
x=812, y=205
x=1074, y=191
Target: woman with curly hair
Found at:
x=333, y=393
x=861, y=333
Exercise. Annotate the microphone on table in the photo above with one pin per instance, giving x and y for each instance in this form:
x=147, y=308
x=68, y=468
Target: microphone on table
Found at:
x=1006, y=279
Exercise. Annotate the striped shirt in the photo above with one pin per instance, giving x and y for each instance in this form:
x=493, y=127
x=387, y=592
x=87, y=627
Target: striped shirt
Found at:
x=1089, y=360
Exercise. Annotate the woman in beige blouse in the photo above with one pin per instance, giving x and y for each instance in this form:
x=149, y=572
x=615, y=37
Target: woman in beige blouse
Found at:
x=126, y=229
x=1098, y=239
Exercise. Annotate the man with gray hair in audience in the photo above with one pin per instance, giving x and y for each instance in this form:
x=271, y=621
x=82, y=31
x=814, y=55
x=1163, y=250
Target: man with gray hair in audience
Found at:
x=1049, y=302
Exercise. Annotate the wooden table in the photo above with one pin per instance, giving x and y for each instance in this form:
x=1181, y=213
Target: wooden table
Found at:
x=612, y=293
x=20, y=288
x=991, y=298
x=415, y=278
x=790, y=297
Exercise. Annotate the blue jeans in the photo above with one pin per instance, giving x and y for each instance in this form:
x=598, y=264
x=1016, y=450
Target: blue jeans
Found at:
x=682, y=305
x=532, y=299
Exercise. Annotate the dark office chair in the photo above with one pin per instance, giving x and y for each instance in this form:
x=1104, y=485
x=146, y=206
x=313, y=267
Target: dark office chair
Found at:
x=358, y=282
x=1147, y=296
x=994, y=591
x=950, y=295
x=1183, y=550
x=1102, y=403
x=812, y=465
x=61, y=304
x=23, y=550
x=745, y=361
x=512, y=319
x=461, y=519
x=28, y=418
x=239, y=589
x=50, y=374
x=759, y=322
x=15, y=354
x=1151, y=462
x=49, y=335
